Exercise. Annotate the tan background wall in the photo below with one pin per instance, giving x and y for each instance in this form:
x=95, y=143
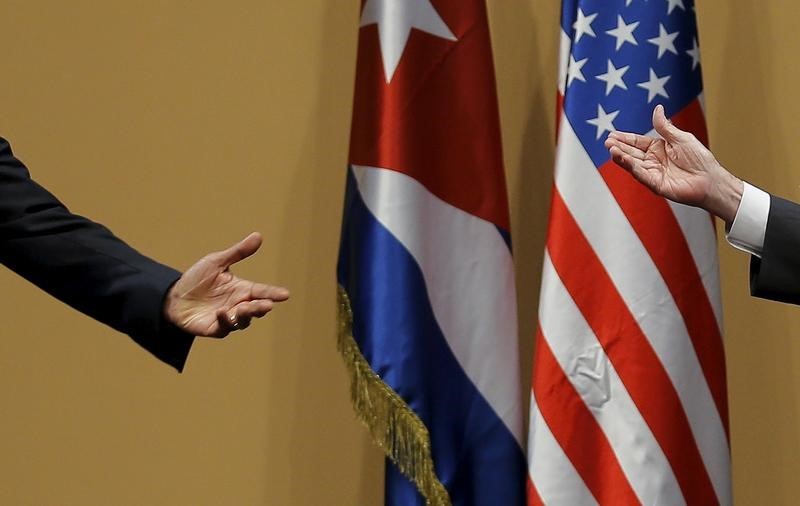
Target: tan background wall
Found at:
x=183, y=125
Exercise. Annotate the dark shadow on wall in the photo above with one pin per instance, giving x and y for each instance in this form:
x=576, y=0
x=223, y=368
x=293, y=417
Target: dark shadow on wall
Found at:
x=523, y=74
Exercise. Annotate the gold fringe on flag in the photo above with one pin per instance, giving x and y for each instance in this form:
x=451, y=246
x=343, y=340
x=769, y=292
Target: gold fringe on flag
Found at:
x=394, y=426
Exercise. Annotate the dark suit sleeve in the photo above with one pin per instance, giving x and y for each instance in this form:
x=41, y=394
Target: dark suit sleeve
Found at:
x=83, y=264
x=776, y=275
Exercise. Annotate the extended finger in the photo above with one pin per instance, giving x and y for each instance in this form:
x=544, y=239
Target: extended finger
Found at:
x=238, y=251
x=254, y=308
x=274, y=293
x=625, y=161
x=235, y=318
x=637, y=168
x=665, y=128
x=626, y=148
x=638, y=141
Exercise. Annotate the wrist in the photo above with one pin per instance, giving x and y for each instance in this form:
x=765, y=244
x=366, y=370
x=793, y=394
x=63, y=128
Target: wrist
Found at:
x=724, y=199
x=170, y=308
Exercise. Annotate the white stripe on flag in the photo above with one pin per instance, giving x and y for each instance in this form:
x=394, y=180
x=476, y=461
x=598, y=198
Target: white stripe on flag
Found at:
x=645, y=293
x=551, y=472
x=699, y=231
x=575, y=346
x=469, y=276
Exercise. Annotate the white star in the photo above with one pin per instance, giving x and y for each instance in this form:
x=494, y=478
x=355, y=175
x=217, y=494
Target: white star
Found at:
x=583, y=25
x=695, y=54
x=665, y=41
x=613, y=77
x=671, y=4
x=603, y=121
x=623, y=32
x=628, y=2
x=395, y=19
x=574, y=70
x=655, y=86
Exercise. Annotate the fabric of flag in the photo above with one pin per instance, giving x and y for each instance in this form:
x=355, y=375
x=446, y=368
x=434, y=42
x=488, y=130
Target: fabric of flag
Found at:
x=629, y=398
x=426, y=283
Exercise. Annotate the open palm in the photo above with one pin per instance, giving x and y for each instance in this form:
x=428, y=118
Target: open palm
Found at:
x=209, y=300
x=675, y=171
x=676, y=166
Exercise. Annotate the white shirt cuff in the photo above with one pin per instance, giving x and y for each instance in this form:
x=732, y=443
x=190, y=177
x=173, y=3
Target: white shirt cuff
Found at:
x=750, y=224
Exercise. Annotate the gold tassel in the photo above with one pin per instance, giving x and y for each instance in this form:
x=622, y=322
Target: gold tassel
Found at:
x=394, y=427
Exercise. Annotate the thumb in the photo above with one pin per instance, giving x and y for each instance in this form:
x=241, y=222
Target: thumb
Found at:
x=664, y=127
x=238, y=251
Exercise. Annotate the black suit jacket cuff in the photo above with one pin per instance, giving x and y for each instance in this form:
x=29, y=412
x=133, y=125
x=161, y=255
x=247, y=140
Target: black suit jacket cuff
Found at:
x=776, y=275
x=155, y=334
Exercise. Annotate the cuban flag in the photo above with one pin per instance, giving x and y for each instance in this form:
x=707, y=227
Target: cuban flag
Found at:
x=427, y=303
x=629, y=398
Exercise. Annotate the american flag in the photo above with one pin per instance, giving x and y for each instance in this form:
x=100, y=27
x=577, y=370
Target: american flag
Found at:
x=427, y=299
x=629, y=400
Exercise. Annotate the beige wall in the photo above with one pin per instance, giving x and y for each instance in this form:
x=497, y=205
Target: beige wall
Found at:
x=183, y=126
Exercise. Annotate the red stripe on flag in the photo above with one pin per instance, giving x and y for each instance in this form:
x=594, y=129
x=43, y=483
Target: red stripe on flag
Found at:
x=691, y=119
x=629, y=351
x=533, y=495
x=658, y=229
x=577, y=431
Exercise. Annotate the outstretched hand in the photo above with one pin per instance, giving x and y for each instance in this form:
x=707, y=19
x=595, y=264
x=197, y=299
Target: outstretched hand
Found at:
x=209, y=300
x=677, y=166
